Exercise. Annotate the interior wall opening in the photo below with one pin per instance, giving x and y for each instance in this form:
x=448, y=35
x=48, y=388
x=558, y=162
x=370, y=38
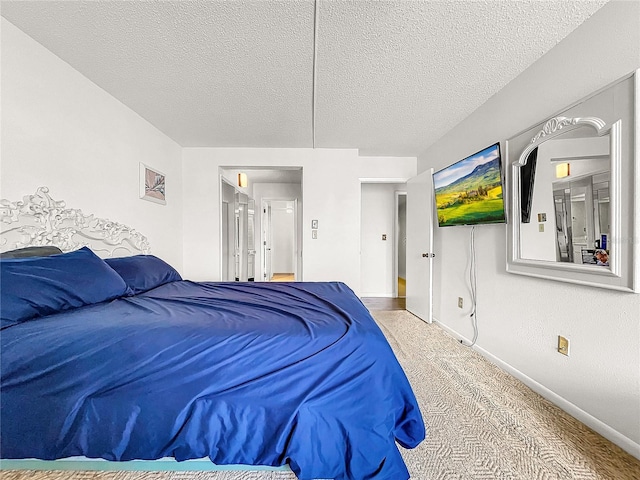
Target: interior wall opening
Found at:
x=401, y=244
x=279, y=238
x=383, y=239
x=252, y=199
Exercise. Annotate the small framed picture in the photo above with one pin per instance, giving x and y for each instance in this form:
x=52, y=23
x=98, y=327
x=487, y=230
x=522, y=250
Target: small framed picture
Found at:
x=152, y=185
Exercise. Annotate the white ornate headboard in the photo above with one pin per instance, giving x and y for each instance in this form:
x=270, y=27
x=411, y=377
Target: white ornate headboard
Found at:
x=39, y=220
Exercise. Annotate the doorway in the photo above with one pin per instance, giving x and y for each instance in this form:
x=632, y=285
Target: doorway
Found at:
x=378, y=205
x=237, y=232
x=280, y=240
x=400, y=245
x=382, y=239
x=271, y=184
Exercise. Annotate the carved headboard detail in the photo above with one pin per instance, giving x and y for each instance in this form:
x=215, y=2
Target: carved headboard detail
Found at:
x=40, y=220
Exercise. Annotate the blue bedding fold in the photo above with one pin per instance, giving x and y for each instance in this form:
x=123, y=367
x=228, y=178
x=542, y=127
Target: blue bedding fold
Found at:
x=242, y=373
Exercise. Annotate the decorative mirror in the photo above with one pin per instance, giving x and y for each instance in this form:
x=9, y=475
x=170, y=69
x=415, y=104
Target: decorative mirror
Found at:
x=572, y=180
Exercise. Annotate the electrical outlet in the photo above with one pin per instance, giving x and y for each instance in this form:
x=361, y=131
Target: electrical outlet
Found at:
x=563, y=345
x=460, y=302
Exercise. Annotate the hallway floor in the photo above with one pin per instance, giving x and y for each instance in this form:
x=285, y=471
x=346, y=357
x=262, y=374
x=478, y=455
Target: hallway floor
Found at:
x=283, y=277
x=384, y=303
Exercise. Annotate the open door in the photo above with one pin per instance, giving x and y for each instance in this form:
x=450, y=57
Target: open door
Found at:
x=228, y=230
x=420, y=245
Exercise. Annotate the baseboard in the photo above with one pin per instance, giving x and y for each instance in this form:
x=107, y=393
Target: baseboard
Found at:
x=376, y=295
x=589, y=420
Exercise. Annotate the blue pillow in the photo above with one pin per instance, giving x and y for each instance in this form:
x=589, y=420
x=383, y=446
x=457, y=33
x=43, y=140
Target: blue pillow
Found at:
x=143, y=272
x=37, y=286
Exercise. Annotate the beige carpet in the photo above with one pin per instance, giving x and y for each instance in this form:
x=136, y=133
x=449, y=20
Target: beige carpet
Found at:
x=481, y=423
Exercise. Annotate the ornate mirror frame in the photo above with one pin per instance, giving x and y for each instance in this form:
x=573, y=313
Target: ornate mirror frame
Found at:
x=616, y=108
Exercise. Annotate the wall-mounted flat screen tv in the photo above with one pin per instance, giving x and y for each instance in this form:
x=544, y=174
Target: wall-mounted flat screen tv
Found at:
x=470, y=192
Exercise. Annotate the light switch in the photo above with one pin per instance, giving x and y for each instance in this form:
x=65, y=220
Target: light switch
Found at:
x=541, y=227
x=314, y=234
x=384, y=236
x=314, y=224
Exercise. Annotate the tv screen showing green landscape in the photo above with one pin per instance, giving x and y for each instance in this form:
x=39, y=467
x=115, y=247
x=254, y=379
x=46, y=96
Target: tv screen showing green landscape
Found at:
x=469, y=192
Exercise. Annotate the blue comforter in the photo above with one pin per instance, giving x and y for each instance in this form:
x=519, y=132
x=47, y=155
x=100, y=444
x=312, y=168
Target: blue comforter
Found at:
x=242, y=373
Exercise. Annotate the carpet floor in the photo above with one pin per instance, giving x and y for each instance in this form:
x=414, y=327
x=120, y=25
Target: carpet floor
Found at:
x=482, y=423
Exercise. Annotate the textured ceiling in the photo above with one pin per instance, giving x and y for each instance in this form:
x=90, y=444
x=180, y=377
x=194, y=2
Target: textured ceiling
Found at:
x=391, y=77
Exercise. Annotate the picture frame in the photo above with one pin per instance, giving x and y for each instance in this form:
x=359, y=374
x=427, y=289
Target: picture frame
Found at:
x=152, y=185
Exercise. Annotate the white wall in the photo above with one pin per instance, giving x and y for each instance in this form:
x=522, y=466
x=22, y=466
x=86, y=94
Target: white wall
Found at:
x=331, y=189
x=377, y=255
x=62, y=131
x=520, y=317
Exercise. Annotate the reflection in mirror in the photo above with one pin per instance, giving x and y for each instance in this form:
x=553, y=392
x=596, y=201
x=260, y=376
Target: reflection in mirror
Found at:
x=582, y=220
x=563, y=226
x=567, y=193
x=573, y=213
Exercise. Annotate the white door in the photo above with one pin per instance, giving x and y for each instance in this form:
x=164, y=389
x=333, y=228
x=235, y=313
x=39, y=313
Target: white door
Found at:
x=420, y=245
x=228, y=228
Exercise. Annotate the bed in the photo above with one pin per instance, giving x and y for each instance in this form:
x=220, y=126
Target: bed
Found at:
x=121, y=359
